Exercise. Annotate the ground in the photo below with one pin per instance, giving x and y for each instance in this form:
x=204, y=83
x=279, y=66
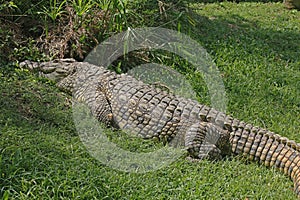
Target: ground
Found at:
x=256, y=48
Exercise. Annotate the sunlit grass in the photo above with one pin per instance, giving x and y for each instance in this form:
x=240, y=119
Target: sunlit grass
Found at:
x=255, y=46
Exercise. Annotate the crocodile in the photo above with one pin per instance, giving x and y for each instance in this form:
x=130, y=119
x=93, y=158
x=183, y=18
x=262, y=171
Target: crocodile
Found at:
x=121, y=101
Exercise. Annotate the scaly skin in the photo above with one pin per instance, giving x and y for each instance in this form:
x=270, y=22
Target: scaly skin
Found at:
x=123, y=102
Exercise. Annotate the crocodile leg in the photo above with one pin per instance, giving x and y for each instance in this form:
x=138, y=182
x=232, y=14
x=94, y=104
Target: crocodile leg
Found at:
x=207, y=140
x=94, y=94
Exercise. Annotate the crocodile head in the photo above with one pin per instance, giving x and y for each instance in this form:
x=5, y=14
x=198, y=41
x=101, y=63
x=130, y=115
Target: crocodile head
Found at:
x=55, y=70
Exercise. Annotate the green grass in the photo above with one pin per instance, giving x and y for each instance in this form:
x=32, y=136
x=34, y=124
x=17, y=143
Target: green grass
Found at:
x=255, y=46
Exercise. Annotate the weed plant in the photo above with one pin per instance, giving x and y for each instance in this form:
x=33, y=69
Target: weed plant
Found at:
x=254, y=44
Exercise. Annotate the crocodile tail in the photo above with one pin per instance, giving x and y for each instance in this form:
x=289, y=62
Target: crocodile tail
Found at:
x=297, y=184
x=267, y=148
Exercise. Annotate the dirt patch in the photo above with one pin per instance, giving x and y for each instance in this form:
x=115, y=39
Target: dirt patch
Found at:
x=23, y=37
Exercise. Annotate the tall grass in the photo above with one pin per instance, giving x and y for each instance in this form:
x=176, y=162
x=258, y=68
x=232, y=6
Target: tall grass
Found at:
x=254, y=44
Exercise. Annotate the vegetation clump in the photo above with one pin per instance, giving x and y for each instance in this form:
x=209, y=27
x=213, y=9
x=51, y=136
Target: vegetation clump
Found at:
x=255, y=46
x=292, y=4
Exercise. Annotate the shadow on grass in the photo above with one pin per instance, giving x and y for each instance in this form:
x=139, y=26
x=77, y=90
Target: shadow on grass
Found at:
x=227, y=28
x=26, y=105
x=36, y=132
x=247, y=36
x=235, y=1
